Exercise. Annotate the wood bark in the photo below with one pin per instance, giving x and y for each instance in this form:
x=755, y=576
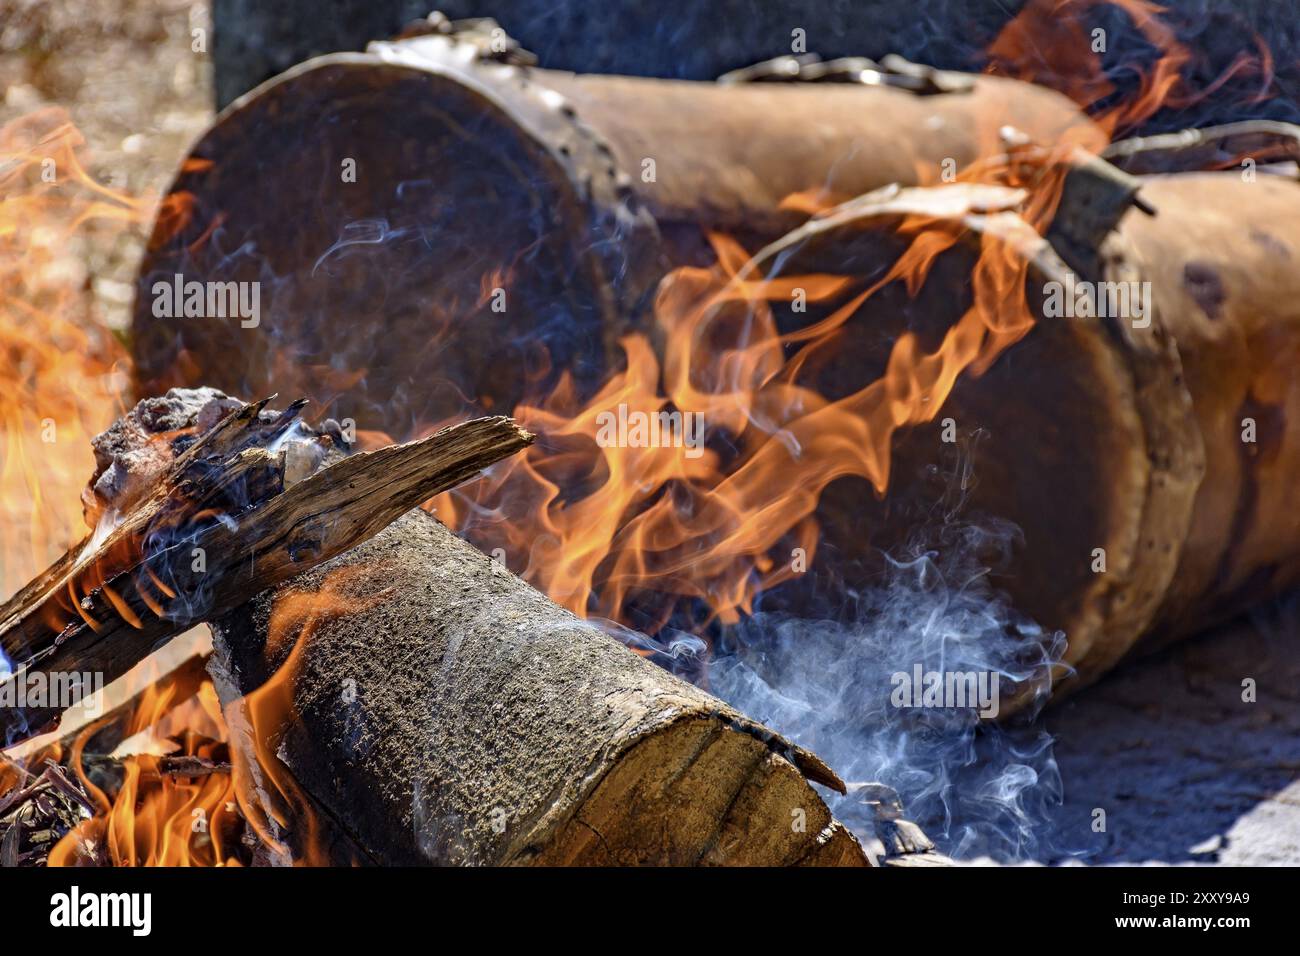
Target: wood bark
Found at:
x=458, y=716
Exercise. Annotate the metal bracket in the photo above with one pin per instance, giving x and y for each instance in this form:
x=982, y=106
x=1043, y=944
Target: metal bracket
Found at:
x=893, y=71
x=1214, y=147
x=489, y=38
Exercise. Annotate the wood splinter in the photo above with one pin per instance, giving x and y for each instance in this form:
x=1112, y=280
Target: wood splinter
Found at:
x=225, y=521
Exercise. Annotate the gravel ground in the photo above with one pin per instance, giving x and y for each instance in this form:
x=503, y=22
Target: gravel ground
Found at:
x=1186, y=770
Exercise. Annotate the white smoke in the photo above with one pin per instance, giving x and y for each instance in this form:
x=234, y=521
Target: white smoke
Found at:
x=976, y=787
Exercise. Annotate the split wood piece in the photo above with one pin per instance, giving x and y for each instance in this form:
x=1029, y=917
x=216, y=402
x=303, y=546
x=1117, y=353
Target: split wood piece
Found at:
x=104, y=732
x=110, y=601
x=450, y=713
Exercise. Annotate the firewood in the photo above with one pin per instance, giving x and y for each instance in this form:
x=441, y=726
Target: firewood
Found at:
x=189, y=766
x=223, y=523
x=568, y=151
x=441, y=710
x=1142, y=460
x=101, y=733
x=35, y=816
x=447, y=712
x=1086, y=435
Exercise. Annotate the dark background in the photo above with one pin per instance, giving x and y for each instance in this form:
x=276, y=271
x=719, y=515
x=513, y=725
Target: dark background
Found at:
x=695, y=39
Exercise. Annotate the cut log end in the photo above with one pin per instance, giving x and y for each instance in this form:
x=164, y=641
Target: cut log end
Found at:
x=699, y=793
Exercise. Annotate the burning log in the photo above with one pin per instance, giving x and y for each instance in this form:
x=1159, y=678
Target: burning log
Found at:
x=1142, y=454
x=228, y=517
x=429, y=705
x=568, y=196
x=432, y=707
x=1168, y=527
x=463, y=718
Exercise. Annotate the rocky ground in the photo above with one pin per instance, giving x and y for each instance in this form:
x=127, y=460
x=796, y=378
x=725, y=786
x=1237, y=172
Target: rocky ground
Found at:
x=1185, y=769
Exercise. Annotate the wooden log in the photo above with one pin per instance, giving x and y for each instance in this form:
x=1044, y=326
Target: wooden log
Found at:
x=1119, y=431
x=1141, y=454
x=1145, y=461
x=542, y=176
x=221, y=524
x=443, y=711
x=457, y=715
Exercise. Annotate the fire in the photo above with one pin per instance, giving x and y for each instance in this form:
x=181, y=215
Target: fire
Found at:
x=64, y=373
x=64, y=377
x=275, y=806
x=593, y=522
x=1053, y=43
x=180, y=800
x=600, y=527
x=63, y=370
x=171, y=808
x=630, y=530
x=204, y=786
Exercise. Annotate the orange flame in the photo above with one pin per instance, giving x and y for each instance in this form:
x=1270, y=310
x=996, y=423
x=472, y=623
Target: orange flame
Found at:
x=160, y=817
x=271, y=800
x=1051, y=42
x=591, y=522
x=61, y=367
x=692, y=523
